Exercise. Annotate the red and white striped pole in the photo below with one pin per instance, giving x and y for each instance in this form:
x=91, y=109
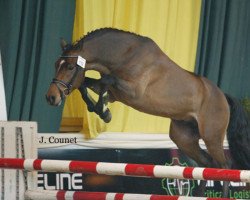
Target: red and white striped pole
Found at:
x=82, y=195
x=123, y=169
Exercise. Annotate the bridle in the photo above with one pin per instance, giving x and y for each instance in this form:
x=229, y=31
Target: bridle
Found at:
x=67, y=86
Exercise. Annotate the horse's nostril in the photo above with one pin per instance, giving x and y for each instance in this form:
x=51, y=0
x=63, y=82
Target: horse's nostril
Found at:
x=51, y=99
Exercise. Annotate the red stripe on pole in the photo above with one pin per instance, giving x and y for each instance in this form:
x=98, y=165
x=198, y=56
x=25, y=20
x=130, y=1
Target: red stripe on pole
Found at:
x=119, y=196
x=37, y=164
x=139, y=170
x=83, y=167
x=217, y=174
x=160, y=197
x=60, y=195
x=188, y=172
x=12, y=163
x=89, y=195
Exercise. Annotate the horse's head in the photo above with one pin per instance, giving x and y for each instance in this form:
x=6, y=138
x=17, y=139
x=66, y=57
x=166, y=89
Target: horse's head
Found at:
x=69, y=75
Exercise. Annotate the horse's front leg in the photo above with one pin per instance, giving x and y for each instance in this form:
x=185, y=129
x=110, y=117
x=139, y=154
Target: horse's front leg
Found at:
x=102, y=104
x=87, y=98
x=93, y=84
x=99, y=86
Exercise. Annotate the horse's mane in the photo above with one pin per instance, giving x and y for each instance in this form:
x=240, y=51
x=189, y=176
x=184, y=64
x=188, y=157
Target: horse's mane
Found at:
x=96, y=33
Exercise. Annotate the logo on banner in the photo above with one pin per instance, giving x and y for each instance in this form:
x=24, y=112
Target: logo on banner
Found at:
x=177, y=186
x=60, y=181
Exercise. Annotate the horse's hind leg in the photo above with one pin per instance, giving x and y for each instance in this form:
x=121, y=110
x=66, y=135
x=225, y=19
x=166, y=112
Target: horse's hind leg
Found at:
x=213, y=131
x=186, y=137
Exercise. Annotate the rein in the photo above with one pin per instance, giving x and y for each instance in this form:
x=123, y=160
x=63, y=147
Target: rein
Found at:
x=67, y=86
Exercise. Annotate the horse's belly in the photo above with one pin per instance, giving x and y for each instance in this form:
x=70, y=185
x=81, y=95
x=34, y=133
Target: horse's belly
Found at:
x=133, y=101
x=148, y=100
x=160, y=108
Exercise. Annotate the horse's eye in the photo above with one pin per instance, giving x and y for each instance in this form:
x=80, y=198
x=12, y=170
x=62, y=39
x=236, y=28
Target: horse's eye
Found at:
x=70, y=67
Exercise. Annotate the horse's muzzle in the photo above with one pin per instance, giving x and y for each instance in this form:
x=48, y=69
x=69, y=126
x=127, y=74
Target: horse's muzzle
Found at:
x=51, y=99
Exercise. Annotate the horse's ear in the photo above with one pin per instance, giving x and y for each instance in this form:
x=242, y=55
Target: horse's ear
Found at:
x=63, y=44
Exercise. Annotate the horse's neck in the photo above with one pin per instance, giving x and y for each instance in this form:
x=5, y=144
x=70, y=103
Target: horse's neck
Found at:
x=99, y=67
x=108, y=51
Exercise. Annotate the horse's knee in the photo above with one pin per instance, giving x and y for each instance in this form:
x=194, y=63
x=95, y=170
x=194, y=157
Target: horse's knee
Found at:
x=91, y=107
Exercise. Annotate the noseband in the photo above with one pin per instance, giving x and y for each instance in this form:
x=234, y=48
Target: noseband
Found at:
x=67, y=86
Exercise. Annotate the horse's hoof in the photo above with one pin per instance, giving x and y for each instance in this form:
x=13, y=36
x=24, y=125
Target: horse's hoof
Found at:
x=106, y=116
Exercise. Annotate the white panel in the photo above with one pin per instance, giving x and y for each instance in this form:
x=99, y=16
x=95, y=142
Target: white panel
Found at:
x=3, y=113
x=9, y=152
x=114, y=140
x=29, y=133
x=30, y=149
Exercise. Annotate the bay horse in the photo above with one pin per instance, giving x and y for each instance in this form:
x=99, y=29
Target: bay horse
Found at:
x=136, y=72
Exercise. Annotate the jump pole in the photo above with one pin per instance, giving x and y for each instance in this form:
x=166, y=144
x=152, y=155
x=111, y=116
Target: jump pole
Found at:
x=124, y=169
x=82, y=195
x=18, y=139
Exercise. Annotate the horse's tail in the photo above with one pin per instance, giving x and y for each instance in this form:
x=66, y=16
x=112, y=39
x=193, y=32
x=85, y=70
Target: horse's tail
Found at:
x=238, y=134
